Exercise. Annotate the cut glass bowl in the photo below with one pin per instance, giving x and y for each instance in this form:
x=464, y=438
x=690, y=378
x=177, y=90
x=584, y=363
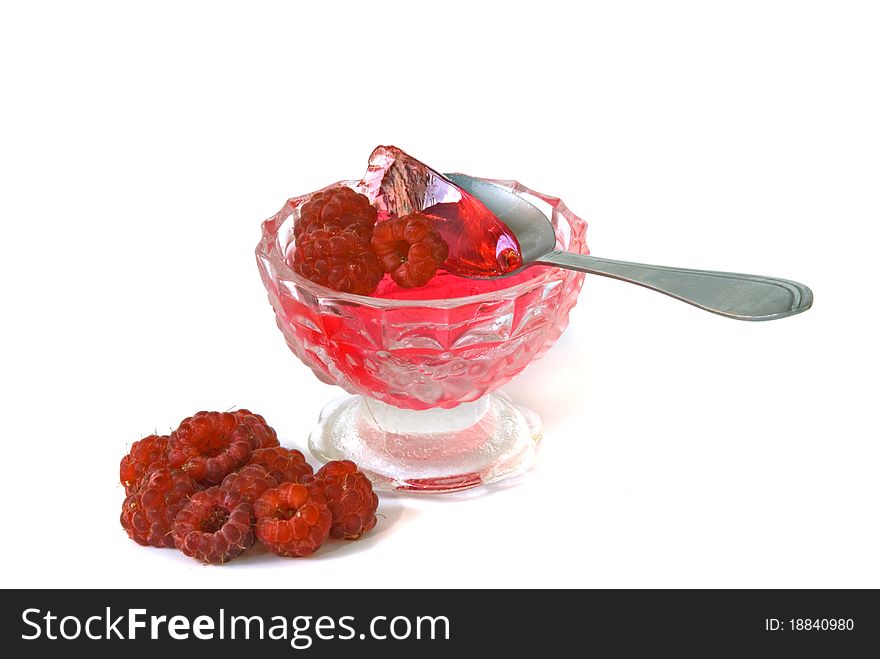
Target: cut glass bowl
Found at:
x=423, y=412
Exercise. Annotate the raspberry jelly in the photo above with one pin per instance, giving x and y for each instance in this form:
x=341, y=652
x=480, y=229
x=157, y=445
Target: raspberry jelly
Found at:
x=479, y=243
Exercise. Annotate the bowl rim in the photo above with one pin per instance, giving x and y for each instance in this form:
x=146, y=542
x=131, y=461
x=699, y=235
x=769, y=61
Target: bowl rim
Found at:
x=267, y=248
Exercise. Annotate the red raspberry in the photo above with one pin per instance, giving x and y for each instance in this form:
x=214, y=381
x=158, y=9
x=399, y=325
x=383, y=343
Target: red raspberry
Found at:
x=250, y=482
x=262, y=434
x=210, y=445
x=350, y=497
x=285, y=465
x=149, y=512
x=292, y=519
x=340, y=208
x=339, y=259
x=146, y=455
x=410, y=249
x=214, y=526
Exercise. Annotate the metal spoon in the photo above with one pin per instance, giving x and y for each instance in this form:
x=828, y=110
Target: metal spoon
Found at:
x=740, y=296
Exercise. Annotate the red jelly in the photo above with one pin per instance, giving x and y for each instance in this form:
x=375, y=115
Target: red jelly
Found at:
x=479, y=243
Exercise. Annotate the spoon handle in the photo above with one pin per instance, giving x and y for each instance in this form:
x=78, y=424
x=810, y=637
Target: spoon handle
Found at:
x=744, y=297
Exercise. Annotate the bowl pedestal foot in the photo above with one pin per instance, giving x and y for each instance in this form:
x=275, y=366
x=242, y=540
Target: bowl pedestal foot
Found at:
x=431, y=451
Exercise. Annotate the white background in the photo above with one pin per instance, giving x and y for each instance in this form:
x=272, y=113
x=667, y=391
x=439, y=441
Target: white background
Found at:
x=140, y=148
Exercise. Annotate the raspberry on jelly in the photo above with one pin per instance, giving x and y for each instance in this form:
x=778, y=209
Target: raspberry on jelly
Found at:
x=338, y=258
x=292, y=519
x=338, y=207
x=410, y=249
x=214, y=526
x=350, y=497
x=148, y=513
x=210, y=445
x=285, y=465
x=146, y=455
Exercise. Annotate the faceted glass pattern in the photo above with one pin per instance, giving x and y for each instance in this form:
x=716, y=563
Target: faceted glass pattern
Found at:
x=421, y=353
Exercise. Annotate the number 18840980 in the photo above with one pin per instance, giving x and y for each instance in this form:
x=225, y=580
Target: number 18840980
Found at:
x=820, y=624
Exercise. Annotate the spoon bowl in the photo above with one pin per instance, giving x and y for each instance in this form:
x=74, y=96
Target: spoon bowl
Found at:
x=531, y=227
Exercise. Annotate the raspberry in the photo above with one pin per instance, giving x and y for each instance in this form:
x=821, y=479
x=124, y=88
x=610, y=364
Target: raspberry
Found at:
x=250, y=482
x=146, y=455
x=340, y=208
x=262, y=434
x=410, y=249
x=292, y=519
x=214, y=526
x=210, y=445
x=339, y=259
x=285, y=465
x=350, y=497
x=149, y=512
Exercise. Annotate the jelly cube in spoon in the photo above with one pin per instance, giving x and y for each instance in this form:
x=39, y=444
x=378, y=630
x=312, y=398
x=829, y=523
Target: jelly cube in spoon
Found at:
x=480, y=245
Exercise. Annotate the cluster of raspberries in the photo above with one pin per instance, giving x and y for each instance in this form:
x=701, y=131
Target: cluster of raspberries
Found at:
x=222, y=480
x=340, y=245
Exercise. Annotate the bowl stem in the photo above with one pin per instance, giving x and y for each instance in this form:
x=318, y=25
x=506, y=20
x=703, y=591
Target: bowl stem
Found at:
x=435, y=450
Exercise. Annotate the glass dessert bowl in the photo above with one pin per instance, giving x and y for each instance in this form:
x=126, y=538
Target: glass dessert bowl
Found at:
x=422, y=366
